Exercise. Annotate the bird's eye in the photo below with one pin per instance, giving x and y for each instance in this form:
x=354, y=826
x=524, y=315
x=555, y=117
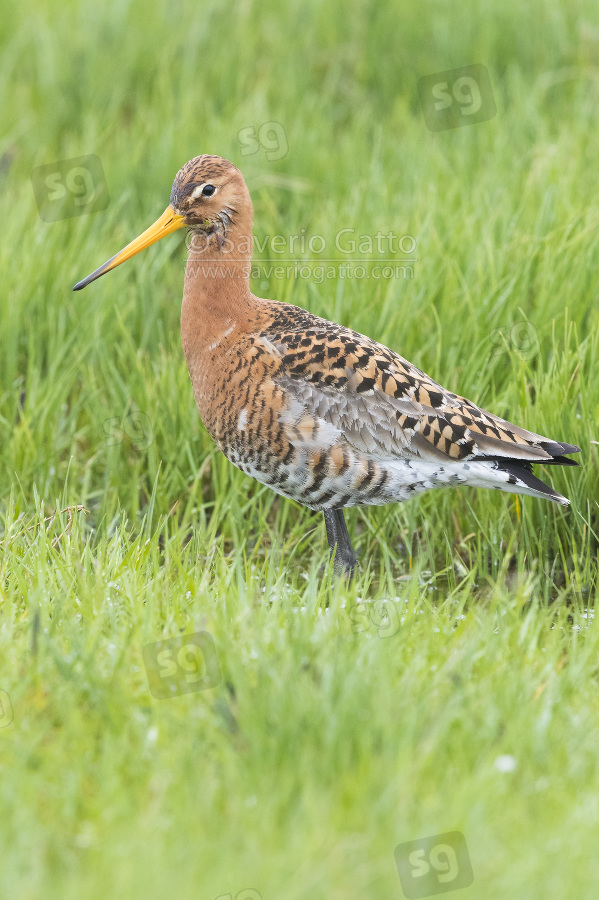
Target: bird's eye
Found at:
x=208, y=190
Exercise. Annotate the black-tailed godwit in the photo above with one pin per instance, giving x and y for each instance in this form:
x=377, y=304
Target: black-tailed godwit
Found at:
x=323, y=415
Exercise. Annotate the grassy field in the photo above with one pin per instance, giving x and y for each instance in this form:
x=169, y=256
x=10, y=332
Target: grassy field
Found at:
x=454, y=685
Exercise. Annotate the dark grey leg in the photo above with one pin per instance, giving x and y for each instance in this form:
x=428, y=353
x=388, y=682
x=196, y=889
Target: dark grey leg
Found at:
x=339, y=542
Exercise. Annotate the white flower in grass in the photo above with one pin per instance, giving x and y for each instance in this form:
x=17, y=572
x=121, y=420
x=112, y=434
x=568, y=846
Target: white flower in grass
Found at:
x=506, y=763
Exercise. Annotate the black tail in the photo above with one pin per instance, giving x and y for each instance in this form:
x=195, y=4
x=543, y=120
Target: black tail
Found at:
x=520, y=471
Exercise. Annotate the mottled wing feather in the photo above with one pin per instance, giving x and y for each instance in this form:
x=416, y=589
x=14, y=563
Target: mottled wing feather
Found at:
x=383, y=405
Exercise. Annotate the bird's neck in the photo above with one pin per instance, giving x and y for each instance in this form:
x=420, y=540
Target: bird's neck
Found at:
x=216, y=296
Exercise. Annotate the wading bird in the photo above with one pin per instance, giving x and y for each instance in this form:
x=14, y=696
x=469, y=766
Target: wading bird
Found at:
x=320, y=413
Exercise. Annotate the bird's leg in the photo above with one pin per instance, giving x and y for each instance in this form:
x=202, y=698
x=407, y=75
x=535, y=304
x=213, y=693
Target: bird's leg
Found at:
x=339, y=542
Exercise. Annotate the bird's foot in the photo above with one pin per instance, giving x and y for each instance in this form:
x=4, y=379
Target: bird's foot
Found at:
x=344, y=563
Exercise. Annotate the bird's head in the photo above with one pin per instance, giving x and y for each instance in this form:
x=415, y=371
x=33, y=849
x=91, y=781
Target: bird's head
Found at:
x=209, y=197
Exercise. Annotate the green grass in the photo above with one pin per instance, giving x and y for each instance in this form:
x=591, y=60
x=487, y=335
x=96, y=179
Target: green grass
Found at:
x=338, y=731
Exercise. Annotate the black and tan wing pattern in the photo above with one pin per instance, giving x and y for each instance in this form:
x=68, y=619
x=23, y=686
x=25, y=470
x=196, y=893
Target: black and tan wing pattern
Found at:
x=349, y=422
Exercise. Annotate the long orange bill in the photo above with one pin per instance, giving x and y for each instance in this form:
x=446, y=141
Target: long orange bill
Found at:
x=168, y=222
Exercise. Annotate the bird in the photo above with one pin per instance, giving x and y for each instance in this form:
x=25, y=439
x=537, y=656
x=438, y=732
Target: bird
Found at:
x=323, y=415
